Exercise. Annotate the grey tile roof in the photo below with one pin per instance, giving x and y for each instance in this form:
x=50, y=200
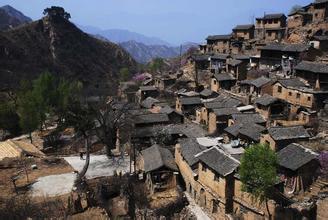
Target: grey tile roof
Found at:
x=266, y=100
x=190, y=100
x=223, y=101
x=288, y=133
x=248, y=118
x=219, y=161
x=225, y=111
x=201, y=57
x=250, y=130
x=220, y=56
x=219, y=37
x=224, y=77
x=258, y=83
x=292, y=83
x=151, y=118
x=286, y=47
x=243, y=27
x=156, y=157
x=274, y=16
x=189, y=148
x=313, y=67
x=294, y=156
x=321, y=38
x=234, y=62
x=149, y=102
x=206, y=92
x=241, y=57
x=148, y=88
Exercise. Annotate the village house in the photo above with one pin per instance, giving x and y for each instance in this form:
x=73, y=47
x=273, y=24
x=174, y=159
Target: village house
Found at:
x=285, y=56
x=158, y=165
x=238, y=68
x=320, y=10
x=222, y=101
x=218, y=63
x=149, y=103
x=298, y=94
x=200, y=61
x=271, y=108
x=127, y=91
x=320, y=42
x=162, y=82
x=208, y=94
x=218, y=119
x=297, y=168
x=299, y=19
x=246, y=132
x=175, y=117
x=216, y=179
x=256, y=87
x=270, y=27
x=222, y=81
x=188, y=105
x=151, y=119
x=280, y=137
x=315, y=73
x=244, y=32
x=219, y=43
x=148, y=91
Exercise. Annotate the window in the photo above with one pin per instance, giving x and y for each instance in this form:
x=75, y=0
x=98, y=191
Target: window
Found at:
x=215, y=205
x=298, y=96
x=276, y=21
x=290, y=93
x=279, y=89
x=214, y=82
x=269, y=34
x=203, y=168
x=270, y=21
x=309, y=99
x=316, y=15
x=216, y=178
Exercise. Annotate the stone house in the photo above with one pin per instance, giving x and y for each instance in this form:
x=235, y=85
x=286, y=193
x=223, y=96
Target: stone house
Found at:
x=298, y=94
x=200, y=61
x=297, y=167
x=320, y=42
x=286, y=56
x=280, y=137
x=188, y=105
x=222, y=81
x=216, y=179
x=315, y=73
x=149, y=103
x=320, y=10
x=271, y=108
x=247, y=133
x=207, y=94
x=162, y=82
x=256, y=87
x=218, y=119
x=219, y=43
x=271, y=27
x=158, y=164
x=218, y=62
x=244, y=32
x=175, y=117
x=238, y=68
x=148, y=91
x=299, y=19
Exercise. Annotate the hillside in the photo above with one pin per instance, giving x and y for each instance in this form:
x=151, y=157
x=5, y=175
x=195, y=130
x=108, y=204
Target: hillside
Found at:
x=145, y=53
x=10, y=17
x=56, y=45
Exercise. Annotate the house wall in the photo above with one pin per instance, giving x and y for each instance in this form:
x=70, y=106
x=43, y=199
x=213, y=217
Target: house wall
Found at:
x=178, y=105
x=220, y=46
x=295, y=21
x=267, y=139
x=244, y=34
x=264, y=111
x=215, y=85
x=319, y=13
x=291, y=96
x=212, y=123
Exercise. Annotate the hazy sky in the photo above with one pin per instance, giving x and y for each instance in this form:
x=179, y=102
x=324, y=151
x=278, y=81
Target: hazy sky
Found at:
x=175, y=21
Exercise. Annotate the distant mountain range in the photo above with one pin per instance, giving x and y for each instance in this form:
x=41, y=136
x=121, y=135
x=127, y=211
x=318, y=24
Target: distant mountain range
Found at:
x=120, y=35
x=142, y=48
x=143, y=53
x=10, y=18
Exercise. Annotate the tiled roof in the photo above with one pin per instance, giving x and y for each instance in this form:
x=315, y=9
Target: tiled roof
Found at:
x=190, y=100
x=266, y=100
x=258, y=83
x=151, y=118
x=292, y=83
x=189, y=148
x=149, y=102
x=294, y=156
x=148, y=88
x=219, y=161
x=248, y=118
x=219, y=37
x=224, y=77
x=225, y=111
x=286, y=47
x=313, y=67
x=220, y=56
x=273, y=16
x=234, y=62
x=244, y=27
x=156, y=157
x=250, y=130
x=288, y=133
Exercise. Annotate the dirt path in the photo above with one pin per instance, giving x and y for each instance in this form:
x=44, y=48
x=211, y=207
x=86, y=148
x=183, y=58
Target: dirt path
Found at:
x=196, y=209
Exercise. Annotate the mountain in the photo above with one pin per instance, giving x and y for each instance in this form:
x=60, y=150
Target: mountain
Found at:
x=144, y=53
x=120, y=35
x=10, y=17
x=58, y=46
